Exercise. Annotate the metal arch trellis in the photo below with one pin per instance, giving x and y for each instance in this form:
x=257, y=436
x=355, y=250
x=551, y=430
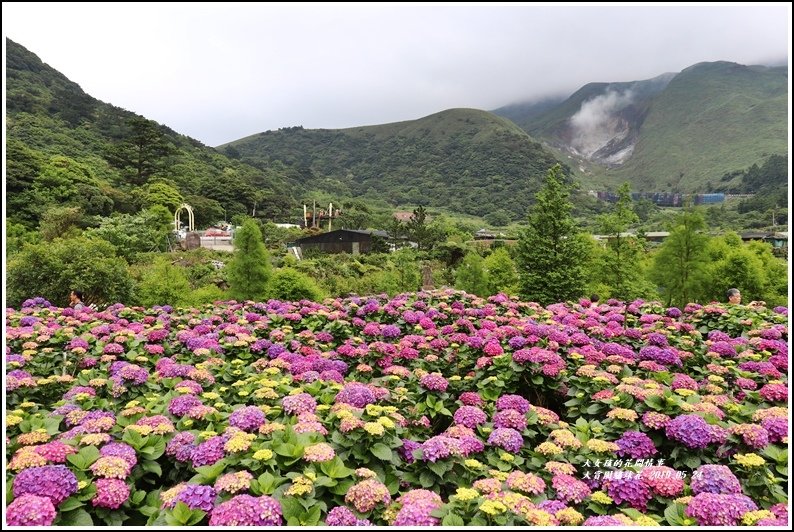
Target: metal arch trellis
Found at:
x=191, y=223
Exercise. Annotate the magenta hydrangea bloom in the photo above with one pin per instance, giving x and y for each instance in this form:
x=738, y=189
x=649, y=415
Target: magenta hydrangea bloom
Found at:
x=434, y=382
x=469, y=416
x=342, y=516
x=714, y=509
x=510, y=419
x=569, y=488
x=418, y=514
x=471, y=399
x=681, y=381
x=774, y=392
x=417, y=506
x=30, y=510
x=110, y=493
x=663, y=480
x=513, y=402
x=55, y=451
x=245, y=510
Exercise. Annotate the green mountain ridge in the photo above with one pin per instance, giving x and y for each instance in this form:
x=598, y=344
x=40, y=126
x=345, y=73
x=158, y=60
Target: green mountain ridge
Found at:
x=684, y=133
x=466, y=160
x=676, y=132
x=64, y=148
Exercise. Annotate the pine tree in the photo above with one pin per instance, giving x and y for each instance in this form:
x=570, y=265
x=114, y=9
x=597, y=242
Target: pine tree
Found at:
x=249, y=270
x=551, y=251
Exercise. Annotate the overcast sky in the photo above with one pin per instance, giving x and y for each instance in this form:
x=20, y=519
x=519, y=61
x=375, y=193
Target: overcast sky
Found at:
x=222, y=72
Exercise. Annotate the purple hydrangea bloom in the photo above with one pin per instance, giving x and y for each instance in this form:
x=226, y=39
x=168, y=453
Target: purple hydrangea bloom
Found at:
x=511, y=419
x=723, y=348
x=714, y=479
x=343, y=516
x=439, y=447
x=469, y=416
x=633, y=491
x=247, y=418
x=356, y=394
x=691, y=430
x=603, y=520
x=508, y=439
x=674, y=312
x=198, y=497
x=718, y=336
x=56, y=482
x=407, y=450
x=208, y=452
x=636, y=444
x=390, y=331
x=713, y=509
x=121, y=450
x=513, y=402
x=777, y=427
x=245, y=510
x=179, y=406
x=181, y=446
x=552, y=506
x=434, y=382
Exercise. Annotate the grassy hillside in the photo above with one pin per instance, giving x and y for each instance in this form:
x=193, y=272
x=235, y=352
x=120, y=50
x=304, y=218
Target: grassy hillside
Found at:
x=466, y=160
x=711, y=119
x=683, y=134
x=65, y=148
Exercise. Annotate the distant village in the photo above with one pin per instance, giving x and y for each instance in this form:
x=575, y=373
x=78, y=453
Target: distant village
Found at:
x=220, y=237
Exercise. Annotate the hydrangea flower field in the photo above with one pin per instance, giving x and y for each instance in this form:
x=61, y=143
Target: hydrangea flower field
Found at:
x=429, y=408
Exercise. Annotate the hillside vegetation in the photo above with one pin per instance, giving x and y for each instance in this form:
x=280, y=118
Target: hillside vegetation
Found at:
x=678, y=133
x=66, y=148
x=467, y=160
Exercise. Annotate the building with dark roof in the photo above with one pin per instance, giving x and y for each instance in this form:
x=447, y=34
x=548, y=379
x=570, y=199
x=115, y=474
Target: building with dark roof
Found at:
x=351, y=241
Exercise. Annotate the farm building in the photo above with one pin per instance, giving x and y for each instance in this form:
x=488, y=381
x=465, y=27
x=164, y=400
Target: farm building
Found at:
x=341, y=241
